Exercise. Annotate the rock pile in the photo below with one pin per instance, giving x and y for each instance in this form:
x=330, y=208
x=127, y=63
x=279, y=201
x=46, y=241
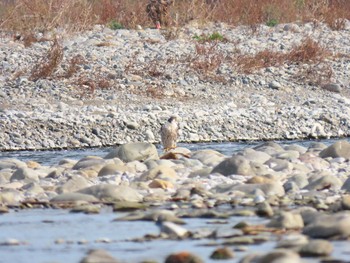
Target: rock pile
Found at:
x=113, y=87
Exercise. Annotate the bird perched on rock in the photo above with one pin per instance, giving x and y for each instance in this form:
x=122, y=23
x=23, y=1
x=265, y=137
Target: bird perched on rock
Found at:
x=158, y=11
x=169, y=133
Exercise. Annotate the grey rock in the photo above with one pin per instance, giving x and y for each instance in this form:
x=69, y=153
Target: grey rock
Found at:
x=88, y=162
x=287, y=220
x=268, y=189
x=275, y=85
x=256, y=156
x=26, y=174
x=234, y=165
x=73, y=184
x=327, y=226
x=317, y=248
x=280, y=256
x=134, y=152
x=325, y=182
x=74, y=197
x=113, y=193
x=333, y=87
x=339, y=149
x=11, y=163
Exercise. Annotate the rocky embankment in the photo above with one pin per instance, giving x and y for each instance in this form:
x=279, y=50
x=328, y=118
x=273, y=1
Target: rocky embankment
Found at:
x=302, y=195
x=112, y=87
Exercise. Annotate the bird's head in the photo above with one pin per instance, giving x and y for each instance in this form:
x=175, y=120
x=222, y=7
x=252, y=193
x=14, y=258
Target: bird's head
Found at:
x=173, y=119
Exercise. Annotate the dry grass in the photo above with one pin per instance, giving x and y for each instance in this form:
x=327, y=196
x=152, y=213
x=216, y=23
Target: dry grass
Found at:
x=206, y=58
x=47, y=65
x=43, y=15
x=308, y=51
x=74, y=65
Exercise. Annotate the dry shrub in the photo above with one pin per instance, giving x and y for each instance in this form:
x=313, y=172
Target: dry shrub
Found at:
x=74, y=65
x=28, y=15
x=262, y=59
x=316, y=74
x=337, y=13
x=44, y=15
x=46, y=66
x=308, y=51
x=87, y=85
x=207, y=58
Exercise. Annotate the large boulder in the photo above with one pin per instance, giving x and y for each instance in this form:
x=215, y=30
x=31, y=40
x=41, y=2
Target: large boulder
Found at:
x=26, y=174
x=338, y=149
x=137, y=151
x=75, y=183
x=327, y=226
x=113, y=193
x=235, y=165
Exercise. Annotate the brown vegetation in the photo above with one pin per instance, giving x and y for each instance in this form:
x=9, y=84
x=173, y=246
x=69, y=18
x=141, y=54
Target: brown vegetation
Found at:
x=42, y=15
x=48, y=63
x=308, y=51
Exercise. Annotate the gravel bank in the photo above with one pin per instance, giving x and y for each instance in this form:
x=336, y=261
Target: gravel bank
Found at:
x=140, y=77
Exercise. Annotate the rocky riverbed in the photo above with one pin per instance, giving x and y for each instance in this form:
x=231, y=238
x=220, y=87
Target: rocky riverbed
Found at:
x=300, y=194
x=111, y=87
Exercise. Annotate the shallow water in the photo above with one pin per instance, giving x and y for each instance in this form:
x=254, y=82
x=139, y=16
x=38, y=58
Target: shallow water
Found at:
x=39, y=229
x=54, y=156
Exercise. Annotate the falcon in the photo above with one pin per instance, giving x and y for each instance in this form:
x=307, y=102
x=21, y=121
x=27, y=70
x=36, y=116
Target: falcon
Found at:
x=169, y=133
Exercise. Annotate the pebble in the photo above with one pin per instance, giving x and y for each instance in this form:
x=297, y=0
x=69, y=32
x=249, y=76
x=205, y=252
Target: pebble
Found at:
x=138, y=102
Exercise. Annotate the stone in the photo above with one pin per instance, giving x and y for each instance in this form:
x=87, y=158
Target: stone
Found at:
x=254, y=155
x=128, y=206
x=171, y=229
x=183, y=257
x=159, y=172
x=86, y=209
x=208, y=157
x=73, y=197
x=10, y=196
x=237, y=164
x=158, y=183
x=292, y=241
x=287, y=220
x=268, y=189
x=333, y=87
x=280, y=256
x=325, y=182
x=73, y=184
x=112, y=169
x=113, y=193
x=134, y=152
x=98, y=256
x=88, y=162
x=328, y=226
x=11, y=163
x=345, y=202
x=26, y=174
x=222, y=253
x=275, y=85
x=339, y=149
x=260, y=180
x=264, y=209
x=316, y=248
x=279, y=165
